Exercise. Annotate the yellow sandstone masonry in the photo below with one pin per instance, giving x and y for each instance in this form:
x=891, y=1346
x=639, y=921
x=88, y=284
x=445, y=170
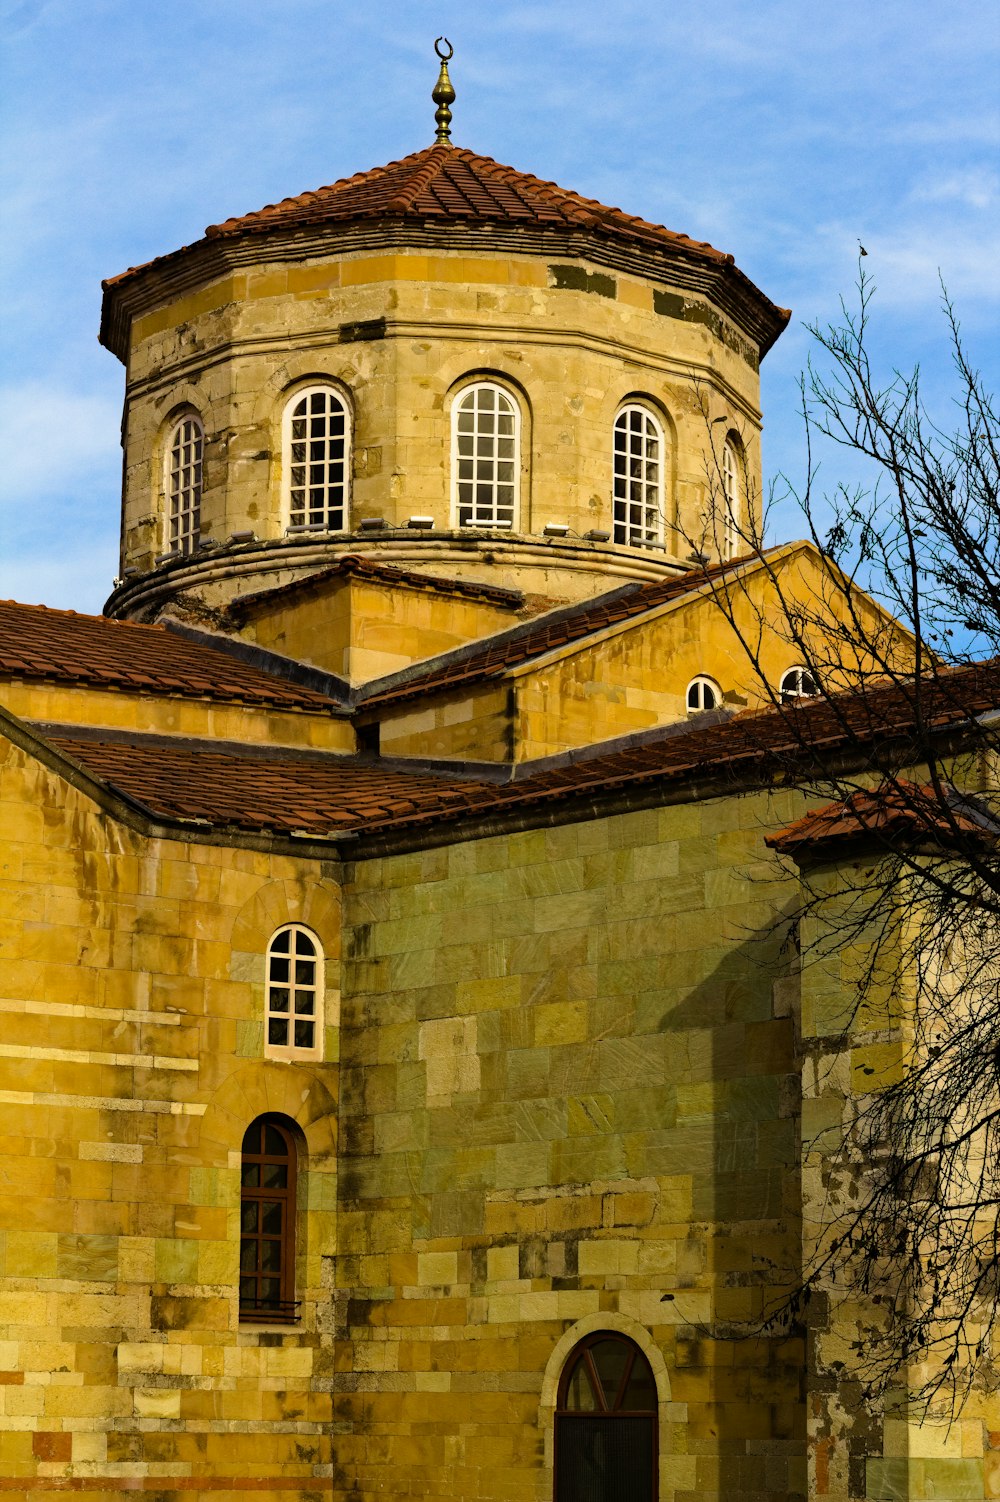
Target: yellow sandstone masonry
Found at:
x=119, y=1206
x=361, y=629
x=569, y=356
x=569, y=1079
x=198, y=718
x=575, y=1122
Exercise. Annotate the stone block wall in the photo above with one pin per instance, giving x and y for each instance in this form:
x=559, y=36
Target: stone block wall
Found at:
x=569, y=1102
x=899, y=1451
x=570, y=348
x=130, y=1066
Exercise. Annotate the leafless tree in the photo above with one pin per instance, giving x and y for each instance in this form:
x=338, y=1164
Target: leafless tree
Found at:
x=897, y=730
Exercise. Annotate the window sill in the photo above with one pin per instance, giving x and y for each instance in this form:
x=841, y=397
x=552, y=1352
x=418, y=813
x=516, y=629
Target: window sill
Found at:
x=270, y=1317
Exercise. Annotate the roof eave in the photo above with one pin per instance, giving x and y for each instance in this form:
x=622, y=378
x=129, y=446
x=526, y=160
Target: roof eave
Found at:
x=708, y=273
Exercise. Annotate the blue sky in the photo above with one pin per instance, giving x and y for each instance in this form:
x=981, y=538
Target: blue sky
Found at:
x=782, y=131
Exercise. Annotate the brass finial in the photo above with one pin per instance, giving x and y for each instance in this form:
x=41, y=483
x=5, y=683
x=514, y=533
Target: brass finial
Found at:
x=444, y=93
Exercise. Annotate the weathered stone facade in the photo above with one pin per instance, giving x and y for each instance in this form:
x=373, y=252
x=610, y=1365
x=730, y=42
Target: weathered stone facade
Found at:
x=547, y=1105
x=565, y=1077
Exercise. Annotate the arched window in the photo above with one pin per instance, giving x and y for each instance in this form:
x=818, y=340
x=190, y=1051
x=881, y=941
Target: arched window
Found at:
x=798, y=683
x=293, y=1008
x=317, y=453
x=638, y=478
x=184, y=463
x=732, y=500
x=606, y=1423
x=486, y=460
x=702, y=694
x=267, y=1221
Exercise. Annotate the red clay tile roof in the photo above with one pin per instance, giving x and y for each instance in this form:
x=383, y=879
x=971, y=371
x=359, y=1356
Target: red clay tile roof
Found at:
x=243, y=608
x=448, y=184
x=278, y=793
x=452, y=183
x=897, y=813
x=324, y=794
x=60, y=646
x=469, y=666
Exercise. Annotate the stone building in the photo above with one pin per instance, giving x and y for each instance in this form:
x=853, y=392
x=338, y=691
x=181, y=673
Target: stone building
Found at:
x=403, y=1058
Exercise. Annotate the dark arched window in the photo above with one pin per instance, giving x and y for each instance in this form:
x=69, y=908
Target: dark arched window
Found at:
x=732, y=500
x=702, y=694
x=267, y=1222
x=798, y=683
x=606, y=1422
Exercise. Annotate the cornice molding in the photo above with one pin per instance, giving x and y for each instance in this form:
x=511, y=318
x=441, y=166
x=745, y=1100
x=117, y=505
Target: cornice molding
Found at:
x=169, y=277
x=144, y=597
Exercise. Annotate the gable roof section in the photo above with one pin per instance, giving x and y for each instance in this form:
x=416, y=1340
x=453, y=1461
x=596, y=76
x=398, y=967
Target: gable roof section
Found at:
x=351, y=565
x=467, y=667
x=40, y=644
x=897, y=813
x=327, y=796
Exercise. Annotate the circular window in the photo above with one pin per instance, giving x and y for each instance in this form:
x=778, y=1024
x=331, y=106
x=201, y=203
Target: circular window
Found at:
x=703, y=694
x=798, y=683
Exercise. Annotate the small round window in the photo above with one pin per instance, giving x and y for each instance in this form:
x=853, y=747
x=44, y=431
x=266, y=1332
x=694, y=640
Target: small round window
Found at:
x=702, y=694
x=798, y=683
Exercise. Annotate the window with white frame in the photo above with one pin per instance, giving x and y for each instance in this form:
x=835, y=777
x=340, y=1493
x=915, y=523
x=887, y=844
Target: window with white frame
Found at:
x=293, y=1020
x=317, y=453
x=485, y=446
x=185, y=452
x=702, y=694
x=639, y=452
x=732, y=517
x=798, y=683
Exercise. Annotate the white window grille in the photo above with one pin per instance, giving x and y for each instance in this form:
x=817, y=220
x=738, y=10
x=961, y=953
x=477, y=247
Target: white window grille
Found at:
x=638, y=478
x=485, y=457
x=732, y=519
x=798, y=683
x=317, y=458
x=184, y=464
x=702, y=694
x=294, y=994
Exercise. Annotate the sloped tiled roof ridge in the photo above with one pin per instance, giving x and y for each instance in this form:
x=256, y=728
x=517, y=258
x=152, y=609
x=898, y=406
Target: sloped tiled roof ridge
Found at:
x=41, y=644
x=452, y=183
x=271, y=791
x=494, y=655
x=897, y=812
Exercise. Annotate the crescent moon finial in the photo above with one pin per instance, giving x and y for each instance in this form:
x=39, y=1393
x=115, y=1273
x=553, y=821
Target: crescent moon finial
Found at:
x=444, y=94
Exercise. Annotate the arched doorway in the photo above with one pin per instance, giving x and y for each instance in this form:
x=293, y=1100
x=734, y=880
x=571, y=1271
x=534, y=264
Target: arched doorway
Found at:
x=606, y=1423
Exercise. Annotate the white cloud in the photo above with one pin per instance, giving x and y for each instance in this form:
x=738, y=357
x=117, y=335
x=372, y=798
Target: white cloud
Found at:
x=977, y=188
x=910, y=268
x=980, y=129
